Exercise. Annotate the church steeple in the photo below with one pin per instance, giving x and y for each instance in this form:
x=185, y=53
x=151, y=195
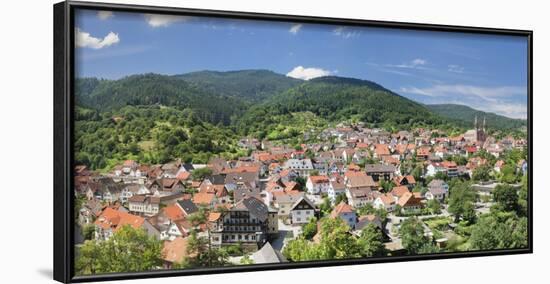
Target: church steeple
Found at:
x=475, y=122
x=484, y=124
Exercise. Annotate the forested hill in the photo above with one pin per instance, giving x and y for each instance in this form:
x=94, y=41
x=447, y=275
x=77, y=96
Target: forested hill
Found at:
x=154, y=89
x=156, y=118
x=465, y=116
x=254, y=85
x=339, y=99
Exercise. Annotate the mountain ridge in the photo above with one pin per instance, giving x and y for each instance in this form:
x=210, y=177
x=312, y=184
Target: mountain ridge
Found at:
x=465, y=115
x=228, y=96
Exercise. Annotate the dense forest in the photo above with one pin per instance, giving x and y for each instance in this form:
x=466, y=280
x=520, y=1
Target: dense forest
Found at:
x=150, y=134
x=465, y=116
x=154, y=89
x=253, y=85
x=339, y=99
x=155, y=118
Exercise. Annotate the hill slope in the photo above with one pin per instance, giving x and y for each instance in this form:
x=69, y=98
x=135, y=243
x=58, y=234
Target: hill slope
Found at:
x=465, y=116
x=254, y=85
x=337, y=99
x=154, y=89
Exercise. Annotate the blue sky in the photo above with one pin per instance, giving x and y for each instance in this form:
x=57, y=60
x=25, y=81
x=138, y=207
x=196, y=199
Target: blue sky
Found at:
x=485, y=72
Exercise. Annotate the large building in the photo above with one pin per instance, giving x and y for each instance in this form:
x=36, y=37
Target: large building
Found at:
x=476, y=135
x=249, y=221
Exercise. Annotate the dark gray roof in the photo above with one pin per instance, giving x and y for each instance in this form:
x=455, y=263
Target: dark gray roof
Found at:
x=375, y=168
x=246, y=177
x=242, y=192
x=287, y=198
x=364, y=221
x=188, y=167
x=216, y=179
x=303, y=199
x=188, y=206
x=267, y=254
x=253, y=205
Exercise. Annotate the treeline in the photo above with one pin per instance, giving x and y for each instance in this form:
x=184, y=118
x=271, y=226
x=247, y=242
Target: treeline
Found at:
x=154, y=89
x=155, y=118
x=151, y=134
x=338, y=99
x=251, y=85
x=465, y=116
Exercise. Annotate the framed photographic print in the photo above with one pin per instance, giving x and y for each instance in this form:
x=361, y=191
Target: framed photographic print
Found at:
x=199, y=141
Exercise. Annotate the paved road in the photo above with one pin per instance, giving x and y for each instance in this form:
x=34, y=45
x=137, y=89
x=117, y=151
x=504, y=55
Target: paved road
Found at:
x=284, y=230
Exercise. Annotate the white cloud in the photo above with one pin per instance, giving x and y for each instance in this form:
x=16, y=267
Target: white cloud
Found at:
x=455, y=68
x=345, y=32
x=295, y=28
x=417, y=63
x=509, y=101
x=486, y=93
x=84, y=39
x=156, y=21
x=104, y=15
x=299, y=72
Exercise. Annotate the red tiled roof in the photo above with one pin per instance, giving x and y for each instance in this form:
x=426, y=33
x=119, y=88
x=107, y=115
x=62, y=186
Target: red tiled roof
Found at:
x=183, y=175
x=342, y=207
x=175, y=251
x=174, y=212
x=319, y=179
x=111, y=218
x=399, y=191
x=203, y=198
x=381, y=149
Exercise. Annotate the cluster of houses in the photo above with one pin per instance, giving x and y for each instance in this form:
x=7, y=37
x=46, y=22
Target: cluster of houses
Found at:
x=247, y=200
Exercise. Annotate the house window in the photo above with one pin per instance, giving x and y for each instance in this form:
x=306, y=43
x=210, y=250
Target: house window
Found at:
x=298, y=219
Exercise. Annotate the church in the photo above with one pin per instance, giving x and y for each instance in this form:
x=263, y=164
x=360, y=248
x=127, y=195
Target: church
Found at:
x=476, y=135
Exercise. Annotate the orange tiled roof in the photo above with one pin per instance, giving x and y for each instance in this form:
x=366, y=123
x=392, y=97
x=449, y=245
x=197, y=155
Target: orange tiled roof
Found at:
x=342, y=207
x=319, y=179
x=174, y=212
x=399, y=191
x=203, y=198
x=111, y=218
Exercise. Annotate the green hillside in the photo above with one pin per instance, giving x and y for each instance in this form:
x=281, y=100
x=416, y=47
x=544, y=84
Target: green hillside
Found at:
x=254, y=85
x=339, y=99
x=156, y=118
x=465, y=116
x=154, y=89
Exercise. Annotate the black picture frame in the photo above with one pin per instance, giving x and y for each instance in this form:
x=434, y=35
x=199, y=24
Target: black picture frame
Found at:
x=64, y=124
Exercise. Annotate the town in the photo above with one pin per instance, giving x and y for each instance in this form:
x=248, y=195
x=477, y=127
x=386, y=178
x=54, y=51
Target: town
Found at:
x=379, y=193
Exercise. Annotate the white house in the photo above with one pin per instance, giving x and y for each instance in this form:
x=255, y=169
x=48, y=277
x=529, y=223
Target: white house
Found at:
x=173, y=231
x=336, y=187
x=361, y=197
x=345, y=212
x=317, y=184
x=147, y=205
x=386, y=201
x=302, y=211
x=437, y=189
x=301, y=166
